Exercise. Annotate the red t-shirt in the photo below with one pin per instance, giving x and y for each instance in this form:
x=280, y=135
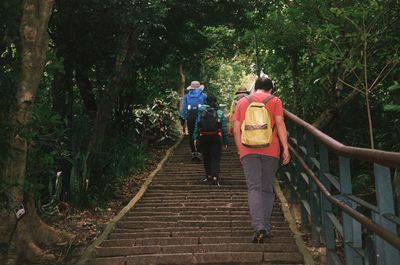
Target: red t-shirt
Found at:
x=274, y=107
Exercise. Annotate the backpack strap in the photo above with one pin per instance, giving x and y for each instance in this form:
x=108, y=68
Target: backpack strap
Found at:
x=265, y=101
x=249, y=98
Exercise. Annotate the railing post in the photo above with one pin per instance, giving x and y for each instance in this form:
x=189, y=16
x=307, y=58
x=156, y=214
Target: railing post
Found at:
x=326, y=207
x=293, y=168
x=351, y=228
x=385, y=253
x=302, y=185
x=314, y=198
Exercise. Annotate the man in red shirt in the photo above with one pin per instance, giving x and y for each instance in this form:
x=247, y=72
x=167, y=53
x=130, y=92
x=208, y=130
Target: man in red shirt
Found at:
x=261, y=164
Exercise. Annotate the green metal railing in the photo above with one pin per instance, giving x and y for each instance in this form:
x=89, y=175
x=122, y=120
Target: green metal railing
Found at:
x=319, y=179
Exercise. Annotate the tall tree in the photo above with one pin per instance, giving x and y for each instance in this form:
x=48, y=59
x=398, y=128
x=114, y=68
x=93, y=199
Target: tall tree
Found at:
x=21, y=236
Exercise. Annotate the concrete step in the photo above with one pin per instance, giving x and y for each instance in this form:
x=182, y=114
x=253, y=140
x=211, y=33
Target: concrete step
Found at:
x=203, y=258
x=196, y=248
x=183, y=220
x=178, y=217
x=190, y=223
x=128, y=234
x=151, y=241
x=193, y=228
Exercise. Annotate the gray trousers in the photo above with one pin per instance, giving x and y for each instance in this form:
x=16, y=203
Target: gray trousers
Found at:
x=260, y=172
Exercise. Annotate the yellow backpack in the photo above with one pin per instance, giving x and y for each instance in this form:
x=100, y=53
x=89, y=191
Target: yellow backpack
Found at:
x=256, y=127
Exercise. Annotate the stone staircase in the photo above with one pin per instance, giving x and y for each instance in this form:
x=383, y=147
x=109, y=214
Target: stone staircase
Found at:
x=182, y=220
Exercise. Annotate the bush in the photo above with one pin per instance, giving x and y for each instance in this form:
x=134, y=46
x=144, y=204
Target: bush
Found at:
x=157, y=123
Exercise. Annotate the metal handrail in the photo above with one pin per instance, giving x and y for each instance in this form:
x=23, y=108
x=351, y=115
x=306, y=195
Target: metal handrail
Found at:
x=365, y=221
x=389, y=159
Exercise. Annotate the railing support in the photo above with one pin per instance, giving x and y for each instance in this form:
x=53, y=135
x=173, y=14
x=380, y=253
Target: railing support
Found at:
x=385, y=253
x=314, y=197
x=351, y=228
x=326, y=208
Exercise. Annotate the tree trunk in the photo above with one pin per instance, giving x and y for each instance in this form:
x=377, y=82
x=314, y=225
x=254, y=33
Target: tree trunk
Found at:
x=182, y=81
x=62, y=90
x=18, y=238
x=330, y=113
x=85, y=89
x=105, y=108
x=294, y=59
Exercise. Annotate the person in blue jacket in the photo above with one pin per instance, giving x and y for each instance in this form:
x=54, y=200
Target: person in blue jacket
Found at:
x=190, y=107
x=211, y=131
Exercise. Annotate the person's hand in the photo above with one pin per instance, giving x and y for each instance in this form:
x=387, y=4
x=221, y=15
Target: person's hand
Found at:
x=285, y=156
x=225, y=146
x=195, y=142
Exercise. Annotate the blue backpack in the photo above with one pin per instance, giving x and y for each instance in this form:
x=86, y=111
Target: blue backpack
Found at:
x=195, y=98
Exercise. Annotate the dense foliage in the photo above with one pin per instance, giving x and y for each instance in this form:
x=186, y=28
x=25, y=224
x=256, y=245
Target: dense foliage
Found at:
x=112, y=73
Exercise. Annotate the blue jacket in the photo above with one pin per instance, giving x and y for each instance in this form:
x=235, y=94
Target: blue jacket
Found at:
x=192, y=101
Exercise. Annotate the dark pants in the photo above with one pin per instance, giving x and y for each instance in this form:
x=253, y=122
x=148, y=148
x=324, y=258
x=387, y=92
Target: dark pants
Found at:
x=211, y=147
x=191, y=123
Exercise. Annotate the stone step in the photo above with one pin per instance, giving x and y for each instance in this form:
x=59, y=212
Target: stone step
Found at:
x=127, y=234
x=173, y=208
x=158, y=187
x=190, y=223
x=203, y=258
x=193, y=228
x=195, y=217
x=196, y=248
x=185, y=204
x=187, y=241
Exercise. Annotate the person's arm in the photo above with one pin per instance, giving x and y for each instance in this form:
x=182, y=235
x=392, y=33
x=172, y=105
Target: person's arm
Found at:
x=237, y=134
x=196, y=128
x=282, y=134
x=182, y=115
x=183, y=109
x=224, y=129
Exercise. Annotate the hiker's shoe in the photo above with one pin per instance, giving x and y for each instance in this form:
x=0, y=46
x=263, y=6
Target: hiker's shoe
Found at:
x=207, y=179
x=260, y=236
x=196, y=156
x=215, y=181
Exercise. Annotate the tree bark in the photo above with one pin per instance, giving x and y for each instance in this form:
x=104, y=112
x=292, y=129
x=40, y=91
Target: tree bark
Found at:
x=85, y=89
x=330, y=113
x=62, y=90
x=294, y=59
x=19, y=237
x=182, y=81
x=105, y=107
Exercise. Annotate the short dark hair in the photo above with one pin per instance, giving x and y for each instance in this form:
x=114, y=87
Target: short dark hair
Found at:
x=212, y=101
x=263, y=83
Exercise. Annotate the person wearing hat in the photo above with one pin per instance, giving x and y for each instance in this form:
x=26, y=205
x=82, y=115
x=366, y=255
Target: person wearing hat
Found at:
x=240, y=93
x=190, y=107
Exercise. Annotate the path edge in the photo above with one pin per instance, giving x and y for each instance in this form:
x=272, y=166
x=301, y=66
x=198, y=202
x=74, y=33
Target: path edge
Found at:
x=307, y=257
x=90, y=251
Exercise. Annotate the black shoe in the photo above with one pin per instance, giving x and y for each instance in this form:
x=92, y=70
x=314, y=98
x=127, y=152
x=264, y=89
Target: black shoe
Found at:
x=215, y=181
x=207, y=179
x=260, y=236
x=196, y=156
